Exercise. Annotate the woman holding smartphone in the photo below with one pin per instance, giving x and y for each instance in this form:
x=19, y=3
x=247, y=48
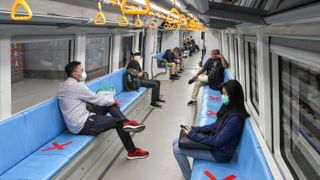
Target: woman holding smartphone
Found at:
x=223, y=135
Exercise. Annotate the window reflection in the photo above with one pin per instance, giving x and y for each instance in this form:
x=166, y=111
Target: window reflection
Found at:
x=36, y=70
x=253, y=73
x=300, y=117
x=97, y=56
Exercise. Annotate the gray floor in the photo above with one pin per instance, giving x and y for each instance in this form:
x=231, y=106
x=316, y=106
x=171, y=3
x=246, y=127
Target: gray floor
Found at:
x=162, y=128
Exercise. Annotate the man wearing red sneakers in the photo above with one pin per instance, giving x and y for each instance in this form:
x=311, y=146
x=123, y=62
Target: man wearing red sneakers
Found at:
x=73, y=97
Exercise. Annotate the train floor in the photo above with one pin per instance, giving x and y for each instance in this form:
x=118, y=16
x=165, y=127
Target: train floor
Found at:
x=162, y=126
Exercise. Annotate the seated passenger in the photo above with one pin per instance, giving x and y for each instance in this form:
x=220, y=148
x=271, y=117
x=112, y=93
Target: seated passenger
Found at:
x=212, y=64
x=135, y=69
x=73, y=97
x=194, y=45
x=223, y=136
x=172, y=62
x=178, y=56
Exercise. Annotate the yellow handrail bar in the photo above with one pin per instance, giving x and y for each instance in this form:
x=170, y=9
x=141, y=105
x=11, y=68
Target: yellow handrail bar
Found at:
x=135, y=11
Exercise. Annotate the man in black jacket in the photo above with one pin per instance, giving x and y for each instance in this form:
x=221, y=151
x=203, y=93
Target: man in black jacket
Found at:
x=200, y=79
x=135, y=69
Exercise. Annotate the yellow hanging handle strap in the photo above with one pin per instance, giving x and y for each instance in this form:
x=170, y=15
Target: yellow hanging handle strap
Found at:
x=173, y=11
x=167, y=26
x=14, y=9
x=123, y=21
x=153, y=24
x=135, y=11
x=185, y=23
x=151, y=13
x=162, y=16
x=138, y=22
x=114, y=2
x=100, y=18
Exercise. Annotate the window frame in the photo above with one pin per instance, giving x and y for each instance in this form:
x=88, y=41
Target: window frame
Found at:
x=254, y=110
x=278, y=50
x=130, y=35
x=161, y=36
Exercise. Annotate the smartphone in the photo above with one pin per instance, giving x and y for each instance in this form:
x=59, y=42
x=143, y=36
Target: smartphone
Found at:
x=182, y=126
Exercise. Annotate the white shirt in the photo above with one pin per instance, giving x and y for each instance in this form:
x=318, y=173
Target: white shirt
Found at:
x=73, y=97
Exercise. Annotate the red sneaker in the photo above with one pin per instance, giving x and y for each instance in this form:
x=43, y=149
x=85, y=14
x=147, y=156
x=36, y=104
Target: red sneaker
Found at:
x=133, y=126
x=138, y=154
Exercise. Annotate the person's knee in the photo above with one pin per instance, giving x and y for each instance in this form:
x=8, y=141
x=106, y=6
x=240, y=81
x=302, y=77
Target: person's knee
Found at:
x=175, y=145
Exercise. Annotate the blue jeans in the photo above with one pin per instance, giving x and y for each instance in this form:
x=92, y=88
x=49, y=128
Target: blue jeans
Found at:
x=181, y=157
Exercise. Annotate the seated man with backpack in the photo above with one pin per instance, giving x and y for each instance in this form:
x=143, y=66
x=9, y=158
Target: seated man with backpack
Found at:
x=74, y=97
x=138, y=78
x=214, y=68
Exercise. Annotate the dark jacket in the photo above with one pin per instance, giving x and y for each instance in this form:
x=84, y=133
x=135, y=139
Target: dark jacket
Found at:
x=169, y=56
x=224, y=144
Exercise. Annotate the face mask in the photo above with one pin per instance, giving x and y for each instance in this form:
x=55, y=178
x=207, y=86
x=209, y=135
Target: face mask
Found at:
x=225, y=100
x=137, y=58
x=83, y=76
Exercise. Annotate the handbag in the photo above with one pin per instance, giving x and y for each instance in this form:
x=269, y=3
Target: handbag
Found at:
x=186, y=143
x=110, y=92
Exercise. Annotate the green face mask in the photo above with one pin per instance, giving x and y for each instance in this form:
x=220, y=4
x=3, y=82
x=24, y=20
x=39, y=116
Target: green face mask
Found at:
x=225, y=100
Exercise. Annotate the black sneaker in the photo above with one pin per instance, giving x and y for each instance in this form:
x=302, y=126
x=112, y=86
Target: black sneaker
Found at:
x=155, y=105
x=161, y=100
x=174, y=78
x=190, y=81
x=175, y=75
x=192, y=103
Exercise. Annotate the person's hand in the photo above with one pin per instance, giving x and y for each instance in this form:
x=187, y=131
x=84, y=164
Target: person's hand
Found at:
x=194, y=78
x=187, y=129
x=220, y=56
x=140, y=74
x=117, y=103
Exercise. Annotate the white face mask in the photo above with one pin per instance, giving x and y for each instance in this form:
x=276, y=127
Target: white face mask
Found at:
x=83, y=76
x=137, y=58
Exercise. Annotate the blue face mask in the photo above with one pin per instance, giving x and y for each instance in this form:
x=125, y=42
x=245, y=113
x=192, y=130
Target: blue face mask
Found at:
x=225, y=100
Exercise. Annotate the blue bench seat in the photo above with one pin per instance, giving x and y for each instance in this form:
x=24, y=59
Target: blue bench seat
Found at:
x=36, y=145
x=249, y=161
x=158, y=58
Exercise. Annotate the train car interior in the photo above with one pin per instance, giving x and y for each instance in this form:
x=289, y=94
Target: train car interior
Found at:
x=160, y=89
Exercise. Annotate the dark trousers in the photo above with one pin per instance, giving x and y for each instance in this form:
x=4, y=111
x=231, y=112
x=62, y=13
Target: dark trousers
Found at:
x=155, y=85
x=99, y=123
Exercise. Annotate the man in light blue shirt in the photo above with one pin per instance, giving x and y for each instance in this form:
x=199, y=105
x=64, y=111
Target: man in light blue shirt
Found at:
x=73, y=97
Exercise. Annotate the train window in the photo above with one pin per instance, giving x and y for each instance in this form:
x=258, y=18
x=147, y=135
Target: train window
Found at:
x=253, y=75
x=300, y=117
x=97, y=55
x=159, y=41
x=37, y=67
x=125, y=54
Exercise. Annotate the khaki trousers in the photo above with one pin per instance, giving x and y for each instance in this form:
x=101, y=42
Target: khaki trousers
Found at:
x=201, y=81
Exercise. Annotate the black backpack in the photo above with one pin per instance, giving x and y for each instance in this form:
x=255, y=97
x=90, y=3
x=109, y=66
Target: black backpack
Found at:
x=216, y=77
x=131, y=82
